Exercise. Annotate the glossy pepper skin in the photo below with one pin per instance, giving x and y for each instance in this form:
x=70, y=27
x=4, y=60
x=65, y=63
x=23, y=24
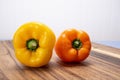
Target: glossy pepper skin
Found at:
x=73, y=45
x=33, y=44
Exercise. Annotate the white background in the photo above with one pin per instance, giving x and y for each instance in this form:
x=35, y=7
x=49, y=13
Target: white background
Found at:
x=99, y=18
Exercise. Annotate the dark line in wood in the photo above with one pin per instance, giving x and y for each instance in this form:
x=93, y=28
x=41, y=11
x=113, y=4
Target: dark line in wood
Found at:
x=10, y=44
x=2, y=76
x=36, y=72
x=103, y=73
x=51, y=72
x=56, y=75
x=106, y=57
x=40, y=75
x=4, y=47
x=12, y=56
x=71, y=73
x=110, y=67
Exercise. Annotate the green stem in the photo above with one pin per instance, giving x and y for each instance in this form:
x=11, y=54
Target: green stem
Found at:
x=76, y=44
x=32, y=44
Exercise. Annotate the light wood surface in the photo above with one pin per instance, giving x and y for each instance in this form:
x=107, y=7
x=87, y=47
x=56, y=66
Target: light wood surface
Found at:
x=102, y=64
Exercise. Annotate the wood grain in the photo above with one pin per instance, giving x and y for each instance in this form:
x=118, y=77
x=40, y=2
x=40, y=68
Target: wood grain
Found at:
x=98, y=66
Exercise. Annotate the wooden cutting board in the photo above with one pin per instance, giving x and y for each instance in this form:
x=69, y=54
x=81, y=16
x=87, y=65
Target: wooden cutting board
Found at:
x=102, y=64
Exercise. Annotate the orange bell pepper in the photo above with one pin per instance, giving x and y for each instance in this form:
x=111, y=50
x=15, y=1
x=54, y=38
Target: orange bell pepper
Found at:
x=73, y=45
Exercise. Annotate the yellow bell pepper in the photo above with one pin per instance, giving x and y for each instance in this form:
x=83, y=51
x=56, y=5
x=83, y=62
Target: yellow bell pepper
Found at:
x=33, y=44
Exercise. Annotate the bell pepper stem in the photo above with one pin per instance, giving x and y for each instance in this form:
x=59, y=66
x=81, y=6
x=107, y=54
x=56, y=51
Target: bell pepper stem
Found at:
x=76, y=44
x=32, y=44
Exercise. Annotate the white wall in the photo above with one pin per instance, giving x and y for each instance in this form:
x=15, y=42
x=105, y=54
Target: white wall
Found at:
x=100, y=18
